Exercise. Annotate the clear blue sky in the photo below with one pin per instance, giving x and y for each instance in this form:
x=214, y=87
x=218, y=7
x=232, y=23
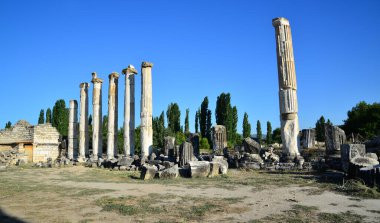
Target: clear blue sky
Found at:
x=199, y=48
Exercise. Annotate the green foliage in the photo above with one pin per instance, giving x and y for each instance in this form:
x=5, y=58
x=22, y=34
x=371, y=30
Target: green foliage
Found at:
x=180, y=137
x=363, y=119
x=159, y=131
x=120, y=140
x=226, y=115
x=235, y=119
x=277, y=135
x=209, y=126
x=60, y=117
x=203, y=117
x=104, y=133
x=90, y=120
x=174, y=117
x=8, y=125
x=269, y=133
x=246, y=126
x=197, y=121
x=41, y=118
x=238, y=139
x=258, y=130
x=320, y=129
x=48, y=116
x=137, y=140
x=187, y=121
x=203, y=144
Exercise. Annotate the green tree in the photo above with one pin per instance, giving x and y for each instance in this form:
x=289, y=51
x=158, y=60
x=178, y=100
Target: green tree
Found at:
x=235, y=120
x=48, y=116
x=60, y=118
x=187, y=121
x=246, y=126
x=90, y=120
x=269, y=133
x=277, y=135
x=320, y=129
x=208, y=127
x=104, y=134
x=363, y=119
x=258, y=130
x=180, y=138
x=120, y=140
x=158, y=131
x=137, y=140
x=41, y=118
x=196, y=121
x=173, y=115
x=203, y=117
x=203, y=144
x=8, y=125
x=223, y=109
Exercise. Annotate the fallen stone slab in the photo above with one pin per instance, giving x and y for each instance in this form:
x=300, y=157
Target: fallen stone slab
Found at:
x=199, y=168
x=148, y=172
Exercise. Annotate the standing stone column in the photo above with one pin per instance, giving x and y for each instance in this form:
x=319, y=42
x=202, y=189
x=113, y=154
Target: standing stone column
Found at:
x=129, y=111
x=287, y=88
x=83, y=122
x=112, y=119
x=97, y=149
x=73, y=129
x=146, y=109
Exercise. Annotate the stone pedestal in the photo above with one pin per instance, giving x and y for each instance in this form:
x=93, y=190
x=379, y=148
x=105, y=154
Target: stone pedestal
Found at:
x=219, y=139
x=112, y=116
x=186, y=153
x=97, y=149
x=83, y=122
x=129, y=111
x=146, y=110
x=287, y=88
x=73, y=130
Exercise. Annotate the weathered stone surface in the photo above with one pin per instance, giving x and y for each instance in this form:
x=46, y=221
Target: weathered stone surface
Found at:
x=199, y=168
x=308, y=138
x=169, y=145
x=223, y=164
x=214, y=169
x=287, y=88
x=129, y=111
x=148, y=172
x=371, y=155
x=334, y=138
x=83, y=123
x=170, y=173
x=251, y=146
x=194, y=139
x=219, y=139
x=125, y=161
x=353, y=157
x=270, y=156
x=112, y=115
x=97, y=148
x=186, y=153
x=168, y=164
x=72, y=137
x=146, y=134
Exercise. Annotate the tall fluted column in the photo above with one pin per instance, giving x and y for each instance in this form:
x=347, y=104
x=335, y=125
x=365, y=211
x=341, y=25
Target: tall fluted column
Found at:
x=287, y=88
x=73, y=129
x=146, y=109
x=83, y=122
x=112, y=120
x=129, y=111
x=97, y=149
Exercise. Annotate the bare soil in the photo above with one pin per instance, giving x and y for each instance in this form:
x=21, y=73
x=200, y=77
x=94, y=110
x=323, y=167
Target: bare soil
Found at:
x=79, y=194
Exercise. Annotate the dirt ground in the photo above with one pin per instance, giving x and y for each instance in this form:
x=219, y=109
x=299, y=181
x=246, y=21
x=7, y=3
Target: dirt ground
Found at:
x=79, y=194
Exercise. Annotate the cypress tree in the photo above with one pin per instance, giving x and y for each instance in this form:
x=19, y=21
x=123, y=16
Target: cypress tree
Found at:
x=320, y=129
x=8, y=125
x=60, y=118
x=259, y=133
x=246, y=126
x=41, y=118
x=173, y=115
x=208, y=126
x=187, y=121
x=234, y=123
x=203, y=117
x=48, y=116
x=196, y=121
x=269, y=133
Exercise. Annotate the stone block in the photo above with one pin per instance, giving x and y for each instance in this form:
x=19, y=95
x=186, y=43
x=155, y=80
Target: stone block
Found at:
x=251, y=146
x=170, y=173
x=214, y=169
x=199, y=168
x=148, y=172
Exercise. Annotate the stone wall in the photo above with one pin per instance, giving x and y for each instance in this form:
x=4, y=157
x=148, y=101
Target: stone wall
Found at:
x=22, y=131
x=46, y=142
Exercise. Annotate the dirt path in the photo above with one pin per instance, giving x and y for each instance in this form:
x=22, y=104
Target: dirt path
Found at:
x=41, y=206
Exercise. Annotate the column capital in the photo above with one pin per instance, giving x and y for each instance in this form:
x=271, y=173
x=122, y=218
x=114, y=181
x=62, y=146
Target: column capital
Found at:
x=84, y=85
x=113, y=75
x=280, y=21
x=146, y=64
x=95, y=78
x=130, y=70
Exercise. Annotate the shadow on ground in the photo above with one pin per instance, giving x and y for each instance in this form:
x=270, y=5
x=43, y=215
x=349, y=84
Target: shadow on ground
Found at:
x=5, y=218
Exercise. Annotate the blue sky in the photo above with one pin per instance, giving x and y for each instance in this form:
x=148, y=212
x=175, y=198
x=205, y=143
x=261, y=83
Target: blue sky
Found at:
x=199, y=48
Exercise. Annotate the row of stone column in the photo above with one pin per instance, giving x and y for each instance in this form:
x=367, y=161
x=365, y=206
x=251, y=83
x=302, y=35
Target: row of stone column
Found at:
x=80, y=148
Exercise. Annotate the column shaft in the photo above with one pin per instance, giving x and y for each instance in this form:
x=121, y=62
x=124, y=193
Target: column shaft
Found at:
x=112, y=120
x=146, y=109
x=97, y=149
x=83, y=125
x=73, y=129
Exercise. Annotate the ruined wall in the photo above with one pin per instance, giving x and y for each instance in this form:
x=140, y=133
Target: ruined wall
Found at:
x=22, y=131
x=46, y=142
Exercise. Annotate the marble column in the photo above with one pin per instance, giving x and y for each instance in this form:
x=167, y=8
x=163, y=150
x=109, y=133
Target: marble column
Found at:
x=112, y=124
x=73, y=129
x=287, y=88
x=83, y=122
x=97, y=149
x=129, y=111
x=146, y=135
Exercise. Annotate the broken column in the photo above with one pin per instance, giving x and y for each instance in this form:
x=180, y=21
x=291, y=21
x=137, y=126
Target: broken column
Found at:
x=308, y=138
x=287, y=88
x=219, y=139
x=83, y=122
x=334, y=138
x=169, y=146
x=129, y=111
x=73, y=129
x=146, y=109
x=186, y=153
x=112, y=122
x=97, y=148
